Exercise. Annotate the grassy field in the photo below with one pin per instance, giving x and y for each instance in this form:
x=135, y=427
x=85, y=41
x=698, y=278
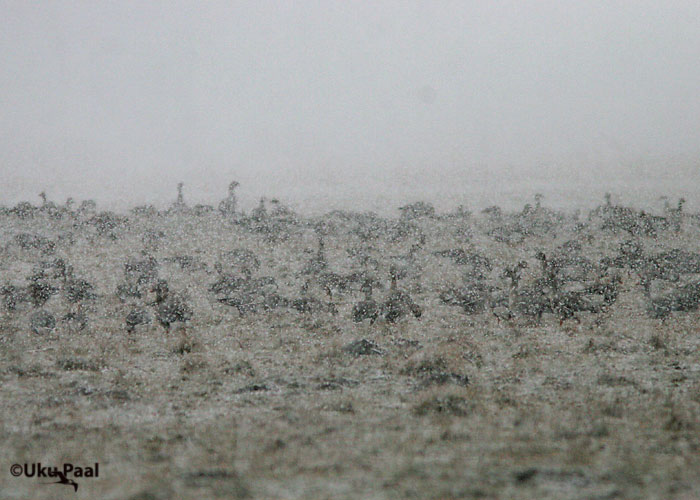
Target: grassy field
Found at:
x=274, y=404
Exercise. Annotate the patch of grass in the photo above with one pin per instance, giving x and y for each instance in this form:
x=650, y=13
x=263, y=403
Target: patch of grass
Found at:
x=658, y=341
x=242, y=367
x=73, y=364
x=30, y=371
x=185, y=345
x=434, y=371
x=193, y=365
x=615, y=380
x=449, y=404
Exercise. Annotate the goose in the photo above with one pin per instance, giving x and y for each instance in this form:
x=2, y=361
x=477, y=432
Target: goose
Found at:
x=503, y=304
x=307, y=304
x=137, y=316
x=683, y=298
x=676, y=215
x=126, y=291
x=227, y=206
x=76, y=321
x=472, y=297
x=13, y=295
x=532, y=301
x=170, y=308
x=42, y=322
x=237, y=261
x=40, y=290
x=244, y=300
x=407, y=265
x=141, y=271
x=179, y=205
x=398, y=304
x=76, y=290
x=317, y=264
x=367, y=308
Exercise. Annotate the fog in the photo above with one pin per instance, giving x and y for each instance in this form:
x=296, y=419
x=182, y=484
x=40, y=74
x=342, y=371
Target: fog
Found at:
x=350, y=105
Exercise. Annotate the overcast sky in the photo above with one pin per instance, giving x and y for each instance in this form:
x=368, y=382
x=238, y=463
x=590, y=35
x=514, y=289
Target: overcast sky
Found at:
x=348, y=102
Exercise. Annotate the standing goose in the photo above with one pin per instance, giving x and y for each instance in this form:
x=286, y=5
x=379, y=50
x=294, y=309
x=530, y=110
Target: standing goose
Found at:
x=503, y=305
x=398, y=304
x=368, y=308
x=75, y=291
x=318, y=263
x=227, y=206
x=676, y=215
x=170, y=308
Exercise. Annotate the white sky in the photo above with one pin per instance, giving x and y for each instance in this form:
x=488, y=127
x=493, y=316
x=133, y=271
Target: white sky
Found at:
x=349, y=103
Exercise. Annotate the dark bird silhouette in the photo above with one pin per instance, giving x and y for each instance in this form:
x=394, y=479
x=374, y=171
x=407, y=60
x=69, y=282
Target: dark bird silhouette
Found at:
x=78, y=290
x=141, y=271
x=565, y=305
x=398, y=304
x=367, y=308
x=243, y=300
x=40, y=290
x=227, y=206
x=514, y=274
x=477, y=266
x=179, y=204
x=676, y=215
x=137, y=316
x=227, y=284
x=13, y=295
x=237, y=261
x=61, y=269
x=550, y=270
x=531, y=301
x=42, y=322
x=128, y=290
x=503, y=304
x=64, y=480
x=500, y=308
x=317, y=264
x=683, y=298
x=248, y=294
x=407, y=265
x=170, y=308
x=472, y=297
x=75, y=320
x=306, y=303
x=336, y=284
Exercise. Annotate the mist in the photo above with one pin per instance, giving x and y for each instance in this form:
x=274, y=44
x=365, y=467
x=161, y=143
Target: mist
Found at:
x=350, y=105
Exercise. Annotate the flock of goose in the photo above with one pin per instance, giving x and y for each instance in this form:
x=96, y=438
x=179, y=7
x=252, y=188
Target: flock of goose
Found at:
x=523, y=267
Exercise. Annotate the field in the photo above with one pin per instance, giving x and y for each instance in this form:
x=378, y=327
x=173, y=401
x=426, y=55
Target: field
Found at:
x=469, y=400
